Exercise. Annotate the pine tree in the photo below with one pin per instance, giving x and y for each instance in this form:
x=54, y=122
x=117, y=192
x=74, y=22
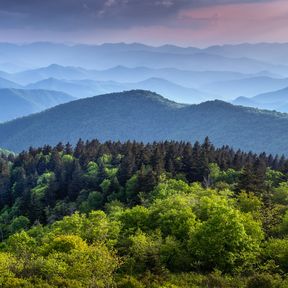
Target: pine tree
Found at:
x=126, y=168
x=157, y=161
x=147, y=180
x=253, y=177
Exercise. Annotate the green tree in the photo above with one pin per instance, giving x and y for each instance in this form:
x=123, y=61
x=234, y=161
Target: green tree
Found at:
x=19, y=223
x=227, y=240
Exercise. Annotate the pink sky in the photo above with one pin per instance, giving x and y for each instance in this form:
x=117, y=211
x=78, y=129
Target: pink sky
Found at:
x=257, y=22
x=230, y=23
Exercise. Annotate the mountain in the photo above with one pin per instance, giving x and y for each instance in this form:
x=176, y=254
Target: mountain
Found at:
x=12, y=67
x=246, y=101
x=109, y=55
x=88, y=88
x=16, y=103
x=269, y=52
x=4, y=83
x=192, y=79
x=53, y=70
x=171, y=90
x=276, y=100
x=186, y=78
x=145, y=116
x=127, y=74
x=78, y=88
x=248, y=86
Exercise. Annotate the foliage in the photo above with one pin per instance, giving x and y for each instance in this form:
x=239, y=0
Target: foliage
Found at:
x=135, y=215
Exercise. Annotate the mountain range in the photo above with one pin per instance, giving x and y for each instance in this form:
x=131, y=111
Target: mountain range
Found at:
x=271, y=52
x=145, y=116
x=201, y=86
x=77, y=88
x=16, y=103
x=178, y=85
x=126, y=74
x=88, y=88
x=275, y=100
x=248, y=87
x=109, y=55
x=4, y=83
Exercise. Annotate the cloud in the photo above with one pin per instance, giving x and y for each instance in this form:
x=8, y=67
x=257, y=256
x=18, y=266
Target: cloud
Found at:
x=69, y=15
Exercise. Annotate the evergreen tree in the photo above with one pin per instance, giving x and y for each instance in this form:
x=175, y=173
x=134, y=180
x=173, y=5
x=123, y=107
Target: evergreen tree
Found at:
x=253, y=177
x=126, y=168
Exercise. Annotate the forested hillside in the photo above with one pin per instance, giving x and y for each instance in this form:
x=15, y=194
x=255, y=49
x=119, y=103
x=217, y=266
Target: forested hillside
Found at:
x=145, y=116
x=167, y=214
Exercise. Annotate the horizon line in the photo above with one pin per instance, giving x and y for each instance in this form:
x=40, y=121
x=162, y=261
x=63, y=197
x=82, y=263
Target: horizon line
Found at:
x=200, y=47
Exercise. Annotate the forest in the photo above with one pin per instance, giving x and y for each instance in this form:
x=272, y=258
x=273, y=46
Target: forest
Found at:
x=165, y=214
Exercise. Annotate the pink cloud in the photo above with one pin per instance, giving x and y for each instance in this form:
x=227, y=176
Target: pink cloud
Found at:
x=229, y=23
x=252, y=22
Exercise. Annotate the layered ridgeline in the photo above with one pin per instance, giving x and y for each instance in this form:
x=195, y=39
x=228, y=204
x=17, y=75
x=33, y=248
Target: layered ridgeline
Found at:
x=251, y=59
x=4, y=83
x=179, y=85
x=16, y=103
x=88, y=88
x=275, y=100
x=145, y=116
x=249, y=86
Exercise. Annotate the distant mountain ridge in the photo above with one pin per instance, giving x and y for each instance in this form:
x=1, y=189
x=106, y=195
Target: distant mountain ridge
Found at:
x=16, y=103
x=120, y=73
x=250, y=86
x=4, y=83
x=108, y=55
x=53, y=70
x=275, y=100
x=271, y=52
x=145, y=116
x=181, y=85
x=88, y=88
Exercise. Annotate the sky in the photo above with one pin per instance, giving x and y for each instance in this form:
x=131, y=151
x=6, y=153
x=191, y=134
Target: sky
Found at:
x=156, y=22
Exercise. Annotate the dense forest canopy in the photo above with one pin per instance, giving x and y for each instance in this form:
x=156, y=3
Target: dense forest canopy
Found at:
x=166, y=214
